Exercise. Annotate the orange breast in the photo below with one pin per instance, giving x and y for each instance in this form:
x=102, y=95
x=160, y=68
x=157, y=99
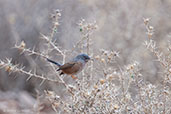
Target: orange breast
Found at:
x=74, y=69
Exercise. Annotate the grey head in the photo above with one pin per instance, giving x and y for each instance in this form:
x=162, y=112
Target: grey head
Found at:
x=83, y=57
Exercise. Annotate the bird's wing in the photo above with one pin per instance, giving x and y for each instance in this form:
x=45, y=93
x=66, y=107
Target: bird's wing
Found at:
x=67, y=66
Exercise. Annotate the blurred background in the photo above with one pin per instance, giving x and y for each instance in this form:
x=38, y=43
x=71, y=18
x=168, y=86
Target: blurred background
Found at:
x=120, y=28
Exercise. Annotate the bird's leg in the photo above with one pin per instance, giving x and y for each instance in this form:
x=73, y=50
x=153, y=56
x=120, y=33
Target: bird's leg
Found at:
x=74, y=77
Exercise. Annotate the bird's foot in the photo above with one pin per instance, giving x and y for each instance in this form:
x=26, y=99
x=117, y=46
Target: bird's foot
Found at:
x=74, y=77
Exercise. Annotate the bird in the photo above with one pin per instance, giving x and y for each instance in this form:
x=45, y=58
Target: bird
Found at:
x=72, y=67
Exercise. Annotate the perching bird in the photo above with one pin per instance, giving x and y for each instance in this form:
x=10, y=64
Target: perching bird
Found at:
x=74, y=66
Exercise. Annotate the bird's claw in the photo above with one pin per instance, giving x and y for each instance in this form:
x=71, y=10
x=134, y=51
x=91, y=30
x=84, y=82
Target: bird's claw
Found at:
x=74, y=77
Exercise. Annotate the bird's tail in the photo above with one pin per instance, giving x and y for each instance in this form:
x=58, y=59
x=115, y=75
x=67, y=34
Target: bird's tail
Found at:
x=54, y=62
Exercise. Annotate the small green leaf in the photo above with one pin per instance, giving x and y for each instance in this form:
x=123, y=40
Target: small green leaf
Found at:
x=81, y=29
x=132, y=76
x=55, y=30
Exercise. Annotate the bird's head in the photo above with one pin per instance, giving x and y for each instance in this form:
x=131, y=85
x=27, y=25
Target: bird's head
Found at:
x=83, y=57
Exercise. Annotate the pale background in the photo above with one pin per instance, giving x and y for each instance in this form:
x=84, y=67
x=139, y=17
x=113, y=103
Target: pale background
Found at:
x=120, y=28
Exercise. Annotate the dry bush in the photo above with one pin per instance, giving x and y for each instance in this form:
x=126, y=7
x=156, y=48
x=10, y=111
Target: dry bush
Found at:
x=103, y=87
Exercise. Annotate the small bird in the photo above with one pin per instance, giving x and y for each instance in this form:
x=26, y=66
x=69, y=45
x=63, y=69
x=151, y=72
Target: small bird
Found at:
x=74, y=66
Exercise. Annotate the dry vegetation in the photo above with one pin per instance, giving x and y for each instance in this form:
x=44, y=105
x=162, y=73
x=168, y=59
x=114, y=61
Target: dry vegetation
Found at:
x=132, y=79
